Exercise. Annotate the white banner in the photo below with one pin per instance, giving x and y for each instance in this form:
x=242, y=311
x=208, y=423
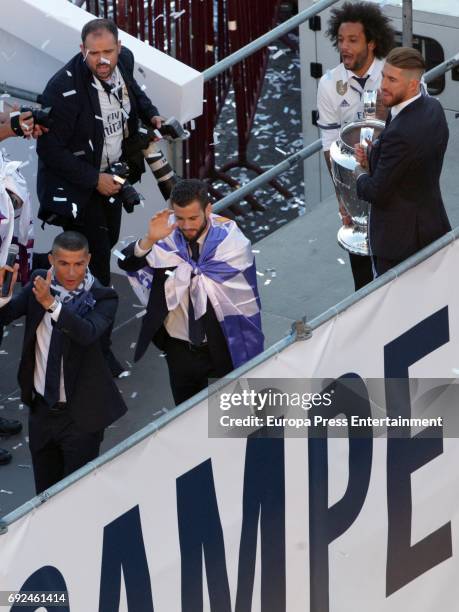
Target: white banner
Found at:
x=184, y=522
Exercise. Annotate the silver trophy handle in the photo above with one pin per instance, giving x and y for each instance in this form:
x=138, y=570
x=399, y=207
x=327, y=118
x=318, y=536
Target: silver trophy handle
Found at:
x=369, y=104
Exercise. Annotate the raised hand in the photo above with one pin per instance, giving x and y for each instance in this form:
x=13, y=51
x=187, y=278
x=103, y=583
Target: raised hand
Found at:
x=158, y=228
x=41, y=290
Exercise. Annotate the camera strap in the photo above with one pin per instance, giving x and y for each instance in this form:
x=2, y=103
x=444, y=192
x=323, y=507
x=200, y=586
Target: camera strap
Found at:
x=111, y=89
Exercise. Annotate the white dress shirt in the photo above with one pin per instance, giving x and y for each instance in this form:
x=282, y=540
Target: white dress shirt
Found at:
x=176, y=322
x=44, y=331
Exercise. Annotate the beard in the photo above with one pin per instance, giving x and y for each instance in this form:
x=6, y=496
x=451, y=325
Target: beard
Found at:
x=198, y=233
x=359, y=61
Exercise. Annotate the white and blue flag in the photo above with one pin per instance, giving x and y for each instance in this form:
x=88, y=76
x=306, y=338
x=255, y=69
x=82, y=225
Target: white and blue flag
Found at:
x=225, y=274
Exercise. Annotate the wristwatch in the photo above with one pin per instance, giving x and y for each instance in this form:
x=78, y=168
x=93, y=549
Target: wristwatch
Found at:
x=53, y=307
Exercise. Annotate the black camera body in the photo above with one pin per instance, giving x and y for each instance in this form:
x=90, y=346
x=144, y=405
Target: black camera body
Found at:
x=41, y=116
x=128, y=195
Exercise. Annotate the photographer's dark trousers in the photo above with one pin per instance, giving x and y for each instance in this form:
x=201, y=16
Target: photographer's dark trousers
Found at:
x=101, y=226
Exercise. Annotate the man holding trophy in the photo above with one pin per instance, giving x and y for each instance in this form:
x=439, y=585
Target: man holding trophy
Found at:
x=399, y=174
x=363, y=36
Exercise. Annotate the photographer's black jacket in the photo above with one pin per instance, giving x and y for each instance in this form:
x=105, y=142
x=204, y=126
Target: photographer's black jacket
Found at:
x=70, y=153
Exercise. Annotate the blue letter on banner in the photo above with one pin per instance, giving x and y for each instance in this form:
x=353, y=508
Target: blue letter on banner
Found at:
x=124, y=548
x=405, y=455
x=201, y=532
x=326, y=524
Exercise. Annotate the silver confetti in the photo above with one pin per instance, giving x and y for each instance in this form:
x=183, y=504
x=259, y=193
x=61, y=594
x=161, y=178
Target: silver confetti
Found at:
x=71, y=92
x=119, y=255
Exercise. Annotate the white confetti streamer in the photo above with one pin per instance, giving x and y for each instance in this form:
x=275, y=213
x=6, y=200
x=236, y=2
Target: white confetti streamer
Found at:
x=119, y=255
x=71, y=92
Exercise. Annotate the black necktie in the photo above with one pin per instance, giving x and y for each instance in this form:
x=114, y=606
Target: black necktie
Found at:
x=388, y=118
x=195, y=328
x=361, y=80
x=53, y=368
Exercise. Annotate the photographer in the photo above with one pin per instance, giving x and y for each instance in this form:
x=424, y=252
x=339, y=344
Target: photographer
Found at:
x=96, y=106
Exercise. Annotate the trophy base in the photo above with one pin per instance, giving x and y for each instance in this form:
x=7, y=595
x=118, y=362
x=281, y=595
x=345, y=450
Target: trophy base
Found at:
x=353, y=239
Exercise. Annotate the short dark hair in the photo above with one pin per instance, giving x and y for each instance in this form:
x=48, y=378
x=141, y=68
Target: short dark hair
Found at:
x=376, y=25
x=187, y=190
x=407, y=59
x=70, y=241
x=96, y=25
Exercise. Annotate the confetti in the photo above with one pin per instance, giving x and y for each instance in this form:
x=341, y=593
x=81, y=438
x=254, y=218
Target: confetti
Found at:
x=280, y=151
x=90, y=144
x=5, y=491
x=74, y=210
x=169, y=273
x=341, y=261
x=143, y=87
x=68, y=73
x=278, y=54
x=133, y=345
x=104, y=60
x=45, y=44
x=71, y=92
x=124, y=374
x=260, y=273
x=119, y=255
x=133, y=394
x=111, y=200
x=77, y=153
x=268, y=281
x=255, y=251
x=56, y=199
x=17, y=446
x=23, y=465
x=143, y=130
x=177, y=14
x=97, y=117
x=140, y=314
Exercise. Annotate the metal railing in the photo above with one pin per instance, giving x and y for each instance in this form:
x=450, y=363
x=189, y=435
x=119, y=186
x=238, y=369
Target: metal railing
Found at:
x=309, y=150
x=147, y=431
x=266, y=39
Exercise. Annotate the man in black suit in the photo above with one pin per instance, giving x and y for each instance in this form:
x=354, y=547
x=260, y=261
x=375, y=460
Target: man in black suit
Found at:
x=207, y=261
x=63, y=375
x=401, y=179
x=96, y=106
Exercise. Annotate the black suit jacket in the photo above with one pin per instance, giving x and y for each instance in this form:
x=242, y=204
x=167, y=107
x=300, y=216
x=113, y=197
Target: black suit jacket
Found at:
x=152, y=328
x=92, y=396
x=403, y=186
x=70, y=153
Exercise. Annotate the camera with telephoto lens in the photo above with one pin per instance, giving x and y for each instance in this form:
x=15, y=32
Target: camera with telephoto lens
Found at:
x=41, y=116
x=156, y=160
x=128, y=195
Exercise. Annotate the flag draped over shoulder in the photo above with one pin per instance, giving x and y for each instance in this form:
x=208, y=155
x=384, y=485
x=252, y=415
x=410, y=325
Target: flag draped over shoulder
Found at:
x=225, y=274
x=15, y=225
